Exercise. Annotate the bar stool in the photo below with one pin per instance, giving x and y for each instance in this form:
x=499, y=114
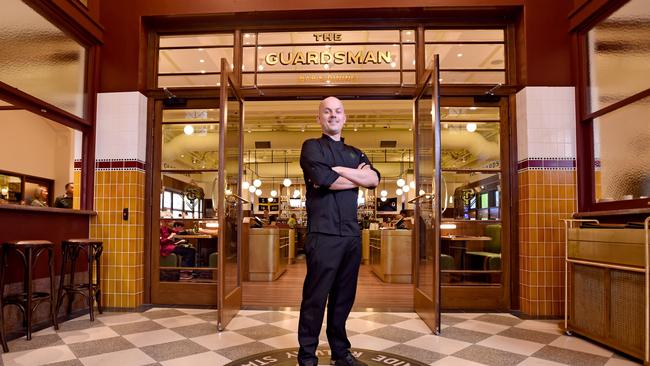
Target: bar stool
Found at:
x=29, y=251
x=90, y=290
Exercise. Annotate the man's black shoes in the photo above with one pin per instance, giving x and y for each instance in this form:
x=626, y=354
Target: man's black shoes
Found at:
x=347, y=360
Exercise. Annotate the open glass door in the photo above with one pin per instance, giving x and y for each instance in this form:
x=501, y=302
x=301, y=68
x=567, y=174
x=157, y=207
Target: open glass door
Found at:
x=426, y=110
x=229, y=202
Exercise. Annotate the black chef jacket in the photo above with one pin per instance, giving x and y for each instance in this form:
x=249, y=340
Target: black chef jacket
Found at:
x=331, y=212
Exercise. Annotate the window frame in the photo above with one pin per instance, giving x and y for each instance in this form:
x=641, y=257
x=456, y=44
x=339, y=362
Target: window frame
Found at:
x=585, y=160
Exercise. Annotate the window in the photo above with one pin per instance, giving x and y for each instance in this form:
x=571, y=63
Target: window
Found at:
x=615, y=109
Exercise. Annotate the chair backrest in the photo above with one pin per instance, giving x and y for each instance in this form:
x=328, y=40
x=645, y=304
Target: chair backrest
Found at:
x=494, y=232
x=213, y=260
x=169, y=261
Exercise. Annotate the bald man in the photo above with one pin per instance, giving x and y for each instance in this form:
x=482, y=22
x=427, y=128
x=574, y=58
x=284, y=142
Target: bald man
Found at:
x=333, y=173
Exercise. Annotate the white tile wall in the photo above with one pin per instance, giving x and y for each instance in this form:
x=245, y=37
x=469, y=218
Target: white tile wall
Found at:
x=121, y=126
x=546, y=122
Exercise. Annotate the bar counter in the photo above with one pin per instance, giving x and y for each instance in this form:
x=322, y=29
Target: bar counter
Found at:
x=390, y=255
x=268, y=253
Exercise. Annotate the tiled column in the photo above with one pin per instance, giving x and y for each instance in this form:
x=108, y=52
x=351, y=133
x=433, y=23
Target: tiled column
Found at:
x=547, y=194
x=119, y=185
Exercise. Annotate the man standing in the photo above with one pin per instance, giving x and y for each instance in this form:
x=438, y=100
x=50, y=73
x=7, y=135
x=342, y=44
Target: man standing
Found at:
x=65, y=201
x=333, y=174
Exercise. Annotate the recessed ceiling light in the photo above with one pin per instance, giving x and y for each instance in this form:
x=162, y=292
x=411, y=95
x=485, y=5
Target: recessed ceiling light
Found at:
x=459, y=55
x=201, y=60
x=202, y=71
x=200, y=49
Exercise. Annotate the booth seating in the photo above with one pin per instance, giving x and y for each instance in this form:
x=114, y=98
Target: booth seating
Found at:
x=27, y=301
x=491, y=254
x=90, y=289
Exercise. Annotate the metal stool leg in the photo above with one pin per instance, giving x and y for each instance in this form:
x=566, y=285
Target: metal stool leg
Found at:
x=98, y=289
x=28, y=285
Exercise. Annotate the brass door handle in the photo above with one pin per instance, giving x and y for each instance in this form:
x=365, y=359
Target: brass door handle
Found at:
x=428, y=196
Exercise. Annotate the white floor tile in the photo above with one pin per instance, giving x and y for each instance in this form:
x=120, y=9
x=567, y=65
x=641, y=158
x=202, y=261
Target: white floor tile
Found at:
x=362, y=326
x=201, y=359
x=465, y=315
x=178, y=321
x=438, y=344
x=415, y=325
x=241, y=322
x=196, y=311
x=221, y=340
x=284, y=341
x=153, y=337
x=580, y=345
x=513, y=345
x=534, y=361
x=288, y=324
x=85, y=335
x=406, y=315
x=620, y=362
x=129, y=357
x=41, y=356
x=122, y=318
x=251, y=312
x=480, y=326
x=370, y=342
x=547, y=326
x=455, y=361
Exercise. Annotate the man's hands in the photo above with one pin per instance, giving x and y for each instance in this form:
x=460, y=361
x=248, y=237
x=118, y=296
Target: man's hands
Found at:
x=362, y=176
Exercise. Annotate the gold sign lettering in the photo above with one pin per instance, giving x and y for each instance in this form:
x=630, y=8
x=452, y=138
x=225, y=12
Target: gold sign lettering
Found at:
x=328, y=37
x=323, y=58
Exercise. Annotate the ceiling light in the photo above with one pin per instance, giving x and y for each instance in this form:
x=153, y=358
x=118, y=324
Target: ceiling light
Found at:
x=201, y=60
x=471, y=127
x=459, y=55
x=274, y=193
x=383, y=199
x=406, y=188
x=188, y=129
x=245, y=185
x=258, y=192
x=286, y=182
x=383, y=193
x=421, y=192
x=399, y=191
x=182, y=155
x=257, y=183
x=202, y=71
x=401, y=182
x=412, y=184
x=270, y=199
x=252, y=189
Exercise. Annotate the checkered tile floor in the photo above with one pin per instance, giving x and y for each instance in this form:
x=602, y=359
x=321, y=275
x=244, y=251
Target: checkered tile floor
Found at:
x=171, y=336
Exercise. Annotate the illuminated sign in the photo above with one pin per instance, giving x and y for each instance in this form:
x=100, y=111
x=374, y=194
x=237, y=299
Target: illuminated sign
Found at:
x=375, y=57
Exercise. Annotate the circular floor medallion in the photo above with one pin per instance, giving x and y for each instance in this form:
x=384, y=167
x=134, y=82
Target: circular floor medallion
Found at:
x=289, y=357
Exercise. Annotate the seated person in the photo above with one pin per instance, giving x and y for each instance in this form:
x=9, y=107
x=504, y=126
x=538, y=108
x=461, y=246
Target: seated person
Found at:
x=65, y=201
x=292, y=222
x=403, y=221
x=40, y=197
x=170, y=244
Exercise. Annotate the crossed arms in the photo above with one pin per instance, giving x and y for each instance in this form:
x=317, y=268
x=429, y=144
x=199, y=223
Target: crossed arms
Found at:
x=319, y=173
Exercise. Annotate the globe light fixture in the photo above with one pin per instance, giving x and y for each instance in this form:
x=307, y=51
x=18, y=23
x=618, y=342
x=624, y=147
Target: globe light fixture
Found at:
x=188, y=130
x=399, y=191
x=406, y=188
x=245, y=185
x=383, y=193
x=383, y=199
x=286, y=182
x=270, y=199
x=401, y=182
x=412, y=184
x=258, y=192
x=471, y=127
x=257, y=183
x=274, y=193
x=252, y=189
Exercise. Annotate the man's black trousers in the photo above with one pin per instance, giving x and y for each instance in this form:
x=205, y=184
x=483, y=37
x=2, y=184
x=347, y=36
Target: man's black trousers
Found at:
x=332, y=271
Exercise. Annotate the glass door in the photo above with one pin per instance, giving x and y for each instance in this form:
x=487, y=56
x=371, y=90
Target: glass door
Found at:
x=229, y=202
x=184, y=228
x=427, y=204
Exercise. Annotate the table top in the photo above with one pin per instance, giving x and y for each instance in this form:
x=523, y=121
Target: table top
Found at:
x=195, y=236
x=466, y=238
